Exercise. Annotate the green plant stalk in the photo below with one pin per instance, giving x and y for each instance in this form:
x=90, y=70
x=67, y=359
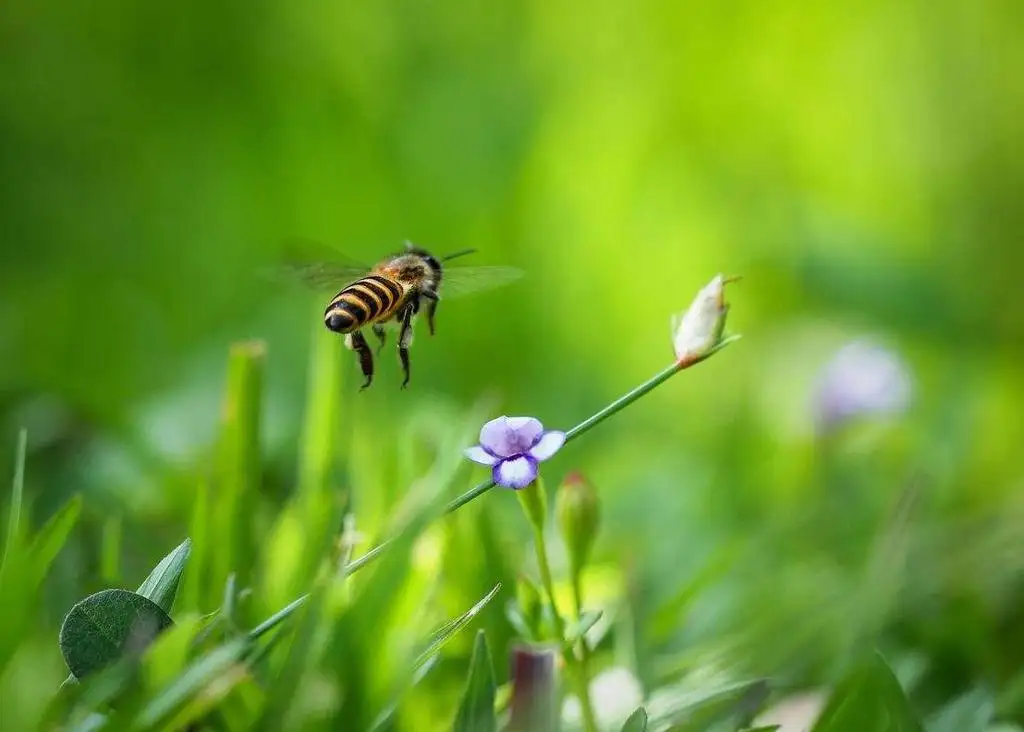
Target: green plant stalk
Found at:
x=584, y=651
x=579, y=672
x=238, y=459
x=473, y=493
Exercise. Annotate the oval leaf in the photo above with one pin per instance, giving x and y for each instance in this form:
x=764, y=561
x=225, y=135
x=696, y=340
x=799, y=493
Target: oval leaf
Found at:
x=476, y=713
x=637, y=721
x=106, y=626
x=162, y=583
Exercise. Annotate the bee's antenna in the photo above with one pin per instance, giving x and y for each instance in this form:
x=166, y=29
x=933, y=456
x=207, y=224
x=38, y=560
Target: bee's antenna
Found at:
x=460, y=253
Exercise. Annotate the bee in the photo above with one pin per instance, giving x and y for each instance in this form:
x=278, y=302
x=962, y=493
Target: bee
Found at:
x=392, y=292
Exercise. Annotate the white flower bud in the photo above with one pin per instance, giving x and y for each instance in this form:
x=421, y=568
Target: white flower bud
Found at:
x=700, y=328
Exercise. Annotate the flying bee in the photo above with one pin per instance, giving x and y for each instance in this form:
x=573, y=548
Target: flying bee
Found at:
x=392, y=292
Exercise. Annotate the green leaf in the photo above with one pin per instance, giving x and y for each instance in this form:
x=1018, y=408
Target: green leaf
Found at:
x=17, y=495
x=238, y=463
x=696, y=707
x=970, y=712
x=445, y=633
x=519, y=623
x=637, y=721
x=869, y=697
x=766, y=728
x=20, y=578
x=106, y=626
x=161, y=585
x=476, y=712
x=51, y=538
x=580, y=628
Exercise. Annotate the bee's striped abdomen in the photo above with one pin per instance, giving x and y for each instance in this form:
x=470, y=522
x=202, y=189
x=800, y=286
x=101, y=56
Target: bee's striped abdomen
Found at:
x=361, y=303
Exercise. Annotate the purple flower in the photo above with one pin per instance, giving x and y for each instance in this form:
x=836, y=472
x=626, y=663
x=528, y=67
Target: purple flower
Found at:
x=862, y=379
x=513, y=446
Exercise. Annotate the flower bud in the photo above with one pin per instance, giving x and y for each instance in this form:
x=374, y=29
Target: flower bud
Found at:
x=577, y=512
x=700, y=328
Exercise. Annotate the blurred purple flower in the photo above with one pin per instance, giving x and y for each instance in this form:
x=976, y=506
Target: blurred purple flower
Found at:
x=862, y=379
x=513, y=446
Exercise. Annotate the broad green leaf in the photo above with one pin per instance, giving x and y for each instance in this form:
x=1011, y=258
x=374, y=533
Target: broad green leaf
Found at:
x=208, y=678
x=104, y=627
x=161, y=585
x=580, y=628
x=91, y=723
x=869, y=697
x=970, y=712
x=637, y=721
x=696, y=707
x=766, y=728
x=476, y=712
x=445, y=633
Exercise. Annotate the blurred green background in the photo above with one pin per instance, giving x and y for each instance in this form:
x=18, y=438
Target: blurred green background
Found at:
x=861, y=165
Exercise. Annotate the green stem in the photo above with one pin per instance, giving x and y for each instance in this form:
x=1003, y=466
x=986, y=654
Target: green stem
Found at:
x=473, y=493
x=584, y=653
x=578, y=671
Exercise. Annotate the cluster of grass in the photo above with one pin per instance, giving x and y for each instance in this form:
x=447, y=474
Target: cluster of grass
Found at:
x=300, y=621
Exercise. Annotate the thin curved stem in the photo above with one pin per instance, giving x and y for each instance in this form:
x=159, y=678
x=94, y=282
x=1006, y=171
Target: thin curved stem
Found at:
x=473, y=493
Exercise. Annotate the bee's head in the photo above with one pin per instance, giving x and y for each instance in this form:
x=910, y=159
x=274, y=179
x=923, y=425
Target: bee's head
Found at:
x=420, y=264
x=430, y=266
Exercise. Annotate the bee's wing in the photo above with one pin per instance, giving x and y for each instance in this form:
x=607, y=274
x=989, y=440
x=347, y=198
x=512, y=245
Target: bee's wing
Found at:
x=315, y=265
x=459, y=281
x=322, y=275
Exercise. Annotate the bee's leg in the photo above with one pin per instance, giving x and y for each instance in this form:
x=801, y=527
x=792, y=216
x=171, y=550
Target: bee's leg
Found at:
x=432, y=299
x=382, y=335
x=361, y=347
x=404, y=341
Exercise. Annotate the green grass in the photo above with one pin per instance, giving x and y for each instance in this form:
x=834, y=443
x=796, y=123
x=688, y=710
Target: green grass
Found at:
x=288, y=619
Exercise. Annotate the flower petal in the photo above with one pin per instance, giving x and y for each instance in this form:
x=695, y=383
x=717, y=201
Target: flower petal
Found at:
x=509, y=436
x=550, y=443
x=515, y=473
x=527, y=429
x=479, y=455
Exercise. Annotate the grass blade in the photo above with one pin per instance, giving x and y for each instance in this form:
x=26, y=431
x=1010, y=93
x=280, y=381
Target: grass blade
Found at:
x=238, y=465
x=445, y=633
x=207, y=672
x=476, y=712
x=51, y=538
x=17, y=495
